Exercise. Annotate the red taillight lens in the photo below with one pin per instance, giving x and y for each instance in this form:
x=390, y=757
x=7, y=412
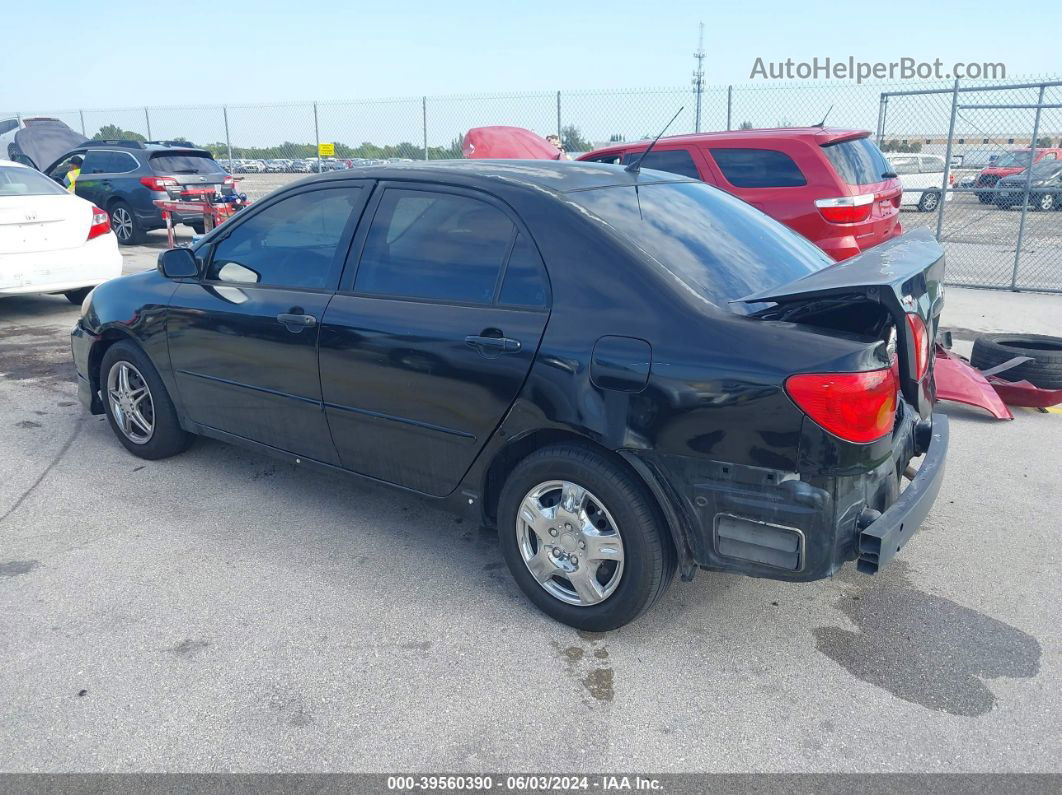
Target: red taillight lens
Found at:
x=858, y=407
x=101, y=224
x=951, y=179
x=157, y=183
x=846, y=209
x=920, y=337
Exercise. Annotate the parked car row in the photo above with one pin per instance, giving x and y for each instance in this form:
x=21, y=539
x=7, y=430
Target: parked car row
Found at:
x=305, y=165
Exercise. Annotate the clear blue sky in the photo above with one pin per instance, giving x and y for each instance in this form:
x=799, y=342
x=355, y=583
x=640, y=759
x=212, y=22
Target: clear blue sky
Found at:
x=114, y=53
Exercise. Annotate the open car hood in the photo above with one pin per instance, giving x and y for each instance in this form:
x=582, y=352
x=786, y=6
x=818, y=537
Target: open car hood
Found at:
x=44, y=142
x=904, y=275
x=511, y=143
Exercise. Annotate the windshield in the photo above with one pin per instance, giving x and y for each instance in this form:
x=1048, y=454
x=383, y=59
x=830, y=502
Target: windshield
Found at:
x=185, y=163
x=15, y=181
x=1013, y=160
x=717, y=245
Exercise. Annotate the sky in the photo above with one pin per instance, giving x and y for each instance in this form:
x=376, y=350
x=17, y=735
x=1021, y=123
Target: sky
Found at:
x=121, y=54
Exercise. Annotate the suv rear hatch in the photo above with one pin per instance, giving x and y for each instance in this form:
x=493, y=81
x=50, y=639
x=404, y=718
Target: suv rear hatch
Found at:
x=904, y=276
x=870, y=200
x=189, y=169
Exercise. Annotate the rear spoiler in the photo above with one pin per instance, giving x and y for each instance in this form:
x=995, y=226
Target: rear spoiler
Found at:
x=904, y=275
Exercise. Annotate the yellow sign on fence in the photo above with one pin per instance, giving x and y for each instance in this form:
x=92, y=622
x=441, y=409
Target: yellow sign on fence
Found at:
x=326, y=150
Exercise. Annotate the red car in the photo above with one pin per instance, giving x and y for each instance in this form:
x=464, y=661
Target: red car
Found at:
x=832, y=186
x=1013, y=162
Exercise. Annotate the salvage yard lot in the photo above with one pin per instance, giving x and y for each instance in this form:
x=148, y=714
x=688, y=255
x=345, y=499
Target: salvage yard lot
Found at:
x=222, y=611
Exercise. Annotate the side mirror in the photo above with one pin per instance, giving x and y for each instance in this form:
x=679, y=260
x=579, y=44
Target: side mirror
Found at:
x=178, y=263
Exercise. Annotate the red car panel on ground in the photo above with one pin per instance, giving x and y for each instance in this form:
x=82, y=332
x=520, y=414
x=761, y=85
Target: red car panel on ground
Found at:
x=512, y=143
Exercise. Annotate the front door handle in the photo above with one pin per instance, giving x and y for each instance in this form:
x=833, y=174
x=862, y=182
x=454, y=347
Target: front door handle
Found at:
x=495, y=345
x=296, y=323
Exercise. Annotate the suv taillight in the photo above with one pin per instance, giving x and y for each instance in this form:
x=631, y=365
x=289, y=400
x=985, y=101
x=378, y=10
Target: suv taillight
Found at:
x=101, y=223
x=920, y=336
x=857, y=407
x=846, y=209
x=157, y=183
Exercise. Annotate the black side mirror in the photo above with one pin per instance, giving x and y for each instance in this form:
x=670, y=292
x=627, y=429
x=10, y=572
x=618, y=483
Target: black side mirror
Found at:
x=178, y=263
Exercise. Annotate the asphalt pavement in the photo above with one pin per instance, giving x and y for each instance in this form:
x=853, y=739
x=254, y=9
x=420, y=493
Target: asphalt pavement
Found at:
x=220, y=611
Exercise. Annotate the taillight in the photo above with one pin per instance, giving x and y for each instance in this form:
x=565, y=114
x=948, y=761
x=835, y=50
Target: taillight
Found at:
x=157, y=183
x=951, y=179
x=229, y=181
x=920, y=337
x=101, y=224
x=858, y=407
x=846, y=209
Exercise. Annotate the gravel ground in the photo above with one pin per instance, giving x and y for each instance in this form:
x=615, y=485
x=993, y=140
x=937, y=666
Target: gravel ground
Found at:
x=219, y=611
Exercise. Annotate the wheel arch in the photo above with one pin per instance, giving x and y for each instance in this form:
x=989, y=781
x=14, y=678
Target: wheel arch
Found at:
x=508, y=457
x=103, y=343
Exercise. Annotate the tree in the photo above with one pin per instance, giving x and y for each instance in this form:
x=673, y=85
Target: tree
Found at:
x=572, y=140
x=1043, y=143
x=615, y=138
x=745, y=125
x=112, y=132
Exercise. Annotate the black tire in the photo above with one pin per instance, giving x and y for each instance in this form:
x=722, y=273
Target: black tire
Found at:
x=198, y=227
x=1044, y=371
x=76, y=297
x=985, y=198
x=649, y=558
x=929, y=202
x=125, y=225
x=167, y=438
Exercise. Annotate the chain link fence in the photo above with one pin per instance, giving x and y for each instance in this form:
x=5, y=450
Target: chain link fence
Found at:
x=945, y=142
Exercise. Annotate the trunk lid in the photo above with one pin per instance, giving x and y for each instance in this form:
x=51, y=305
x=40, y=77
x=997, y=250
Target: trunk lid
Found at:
x=904, y=276
x=43, y=223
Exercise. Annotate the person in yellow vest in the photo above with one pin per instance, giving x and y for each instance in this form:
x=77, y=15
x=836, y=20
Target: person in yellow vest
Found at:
x=70, y=180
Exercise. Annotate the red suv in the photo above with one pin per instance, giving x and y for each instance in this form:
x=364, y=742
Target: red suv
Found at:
x=832, y=186
x=1013, y=162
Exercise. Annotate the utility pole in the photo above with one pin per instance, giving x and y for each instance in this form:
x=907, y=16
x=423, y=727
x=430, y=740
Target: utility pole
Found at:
x=698, y=76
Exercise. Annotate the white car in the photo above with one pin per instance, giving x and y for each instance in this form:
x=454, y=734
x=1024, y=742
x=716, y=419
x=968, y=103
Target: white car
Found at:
x=921, y=177
x=51, y=241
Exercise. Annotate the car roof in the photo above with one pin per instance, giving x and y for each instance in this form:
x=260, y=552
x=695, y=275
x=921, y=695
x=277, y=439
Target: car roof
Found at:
x=13, y=163
x=816, y=135
x=559, y=176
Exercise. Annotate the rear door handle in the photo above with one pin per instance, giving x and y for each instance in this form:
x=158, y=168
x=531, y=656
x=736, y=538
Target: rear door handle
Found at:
x=296, y=323
x=492, y=344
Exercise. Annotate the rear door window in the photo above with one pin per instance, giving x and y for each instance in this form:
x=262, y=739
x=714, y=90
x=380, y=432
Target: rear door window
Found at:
x=441, y=246
x=904, y=165
x=104, y=162
x=185, y=163
x=675, y=161
x=758, y=168
x=858, y=162
x=932, y=165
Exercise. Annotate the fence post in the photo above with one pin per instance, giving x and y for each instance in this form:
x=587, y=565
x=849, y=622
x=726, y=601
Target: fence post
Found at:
x=228, y=143
x=81, y=113
x=883, y=103
x=424, y=123
x=1028, y=184
x=558, y=116
x=147, y=121
x=317, y=136
x=729, y=105
x=947, y=156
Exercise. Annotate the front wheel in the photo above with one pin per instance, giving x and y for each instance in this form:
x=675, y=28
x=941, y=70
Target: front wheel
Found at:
x=929, y=201
x=138, y=407
x=1044, y=202
x=583, y=538
x=76, y=297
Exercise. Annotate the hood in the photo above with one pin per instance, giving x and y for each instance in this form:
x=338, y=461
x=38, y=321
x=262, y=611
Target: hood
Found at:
x=44, y=142
x=510, y=143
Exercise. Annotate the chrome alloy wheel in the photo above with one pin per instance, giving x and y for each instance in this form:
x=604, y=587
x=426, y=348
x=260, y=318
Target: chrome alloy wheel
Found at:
x=122, y=223
x=570, y=543
x=131, y=404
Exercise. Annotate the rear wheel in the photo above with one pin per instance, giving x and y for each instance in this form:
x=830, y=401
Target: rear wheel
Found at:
x=125, y=225
x=929, y=201
x=1044, y=202
x=138, y=407
x=583, y=538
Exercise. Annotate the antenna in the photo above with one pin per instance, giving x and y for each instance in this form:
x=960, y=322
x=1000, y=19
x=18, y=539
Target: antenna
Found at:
x=698, y=77
x=636, y=166
x=823, y=122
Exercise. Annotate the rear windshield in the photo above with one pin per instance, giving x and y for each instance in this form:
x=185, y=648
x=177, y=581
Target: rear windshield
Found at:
x=859, y=162
x=26, y=182
x=716, y=244
x=185, y=163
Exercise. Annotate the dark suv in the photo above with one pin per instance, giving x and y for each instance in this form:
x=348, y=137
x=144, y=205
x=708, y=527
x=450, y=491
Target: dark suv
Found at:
x=126, y=177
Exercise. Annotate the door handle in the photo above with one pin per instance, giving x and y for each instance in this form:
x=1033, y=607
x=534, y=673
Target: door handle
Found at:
x=296, y=323
x=492, y=344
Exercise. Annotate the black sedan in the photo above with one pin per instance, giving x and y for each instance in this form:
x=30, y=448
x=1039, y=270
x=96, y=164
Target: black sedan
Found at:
x=1044, y=184
x=628, y=373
